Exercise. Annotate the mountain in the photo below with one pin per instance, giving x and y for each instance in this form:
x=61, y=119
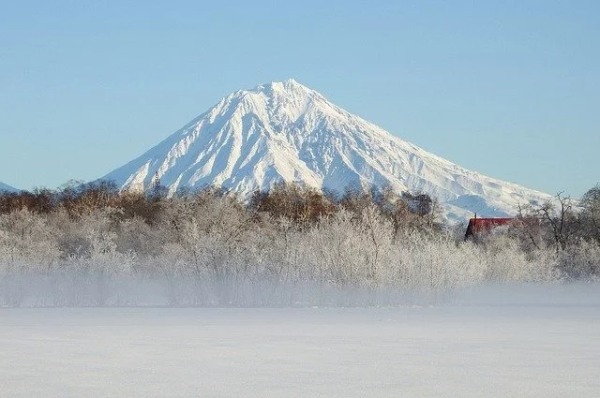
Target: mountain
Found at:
x=284, y=131
x=7, y=188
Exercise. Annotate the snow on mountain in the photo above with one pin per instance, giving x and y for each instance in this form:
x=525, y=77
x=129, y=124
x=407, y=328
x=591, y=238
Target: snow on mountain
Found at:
x=7, y=188
x=284, y=131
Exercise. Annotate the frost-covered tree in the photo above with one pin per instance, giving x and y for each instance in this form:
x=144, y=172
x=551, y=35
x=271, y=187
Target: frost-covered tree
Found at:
x=97, y=246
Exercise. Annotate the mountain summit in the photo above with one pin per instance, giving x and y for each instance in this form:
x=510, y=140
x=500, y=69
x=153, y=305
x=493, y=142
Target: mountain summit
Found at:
x=284, y=131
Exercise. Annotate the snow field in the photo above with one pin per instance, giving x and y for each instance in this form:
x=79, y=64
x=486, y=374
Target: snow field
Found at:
x=537, y=342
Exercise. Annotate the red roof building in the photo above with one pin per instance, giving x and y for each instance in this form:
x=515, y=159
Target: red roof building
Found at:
x=478, y=226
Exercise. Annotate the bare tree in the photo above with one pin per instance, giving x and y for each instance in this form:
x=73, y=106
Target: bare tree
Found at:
x=558, y=222
x=591, y=213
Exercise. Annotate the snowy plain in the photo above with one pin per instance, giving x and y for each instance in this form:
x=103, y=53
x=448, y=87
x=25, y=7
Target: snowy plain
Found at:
x=532, y=341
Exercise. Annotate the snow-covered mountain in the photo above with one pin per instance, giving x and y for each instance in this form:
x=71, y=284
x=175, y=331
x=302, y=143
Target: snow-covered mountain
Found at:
x=7, y=188
x=284, y=131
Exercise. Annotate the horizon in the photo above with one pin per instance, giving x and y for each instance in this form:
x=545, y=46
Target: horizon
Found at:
x=90, y=88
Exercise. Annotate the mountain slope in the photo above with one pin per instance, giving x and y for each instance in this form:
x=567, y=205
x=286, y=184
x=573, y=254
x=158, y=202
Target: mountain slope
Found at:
x=7, y=188
x=284, y=131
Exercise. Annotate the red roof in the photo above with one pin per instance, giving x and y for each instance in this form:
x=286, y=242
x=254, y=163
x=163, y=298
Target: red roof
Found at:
x=479, y=225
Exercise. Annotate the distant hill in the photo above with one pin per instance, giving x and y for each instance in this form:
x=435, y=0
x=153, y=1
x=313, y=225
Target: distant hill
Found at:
x=7, y=188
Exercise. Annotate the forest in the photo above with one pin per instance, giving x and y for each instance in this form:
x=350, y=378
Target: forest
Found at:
x=92, y=245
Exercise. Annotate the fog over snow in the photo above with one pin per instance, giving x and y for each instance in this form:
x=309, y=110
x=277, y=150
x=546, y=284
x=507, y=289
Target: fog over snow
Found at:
x=524, y=341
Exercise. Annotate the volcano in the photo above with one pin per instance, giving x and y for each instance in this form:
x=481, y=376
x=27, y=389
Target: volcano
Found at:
x=287, y=132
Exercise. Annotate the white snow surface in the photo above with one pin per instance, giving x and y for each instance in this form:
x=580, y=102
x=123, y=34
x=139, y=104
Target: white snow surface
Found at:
x=513, y=345
x=284, y=131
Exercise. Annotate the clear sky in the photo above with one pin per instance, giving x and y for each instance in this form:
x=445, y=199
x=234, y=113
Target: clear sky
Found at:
x=507, y=88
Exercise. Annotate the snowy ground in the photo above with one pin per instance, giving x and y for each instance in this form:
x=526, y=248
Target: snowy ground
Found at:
x=544, y=344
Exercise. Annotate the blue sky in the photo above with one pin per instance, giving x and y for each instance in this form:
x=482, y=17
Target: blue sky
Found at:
x=510, y=89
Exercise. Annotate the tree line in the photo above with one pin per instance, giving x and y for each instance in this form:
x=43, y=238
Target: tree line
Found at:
x=90, y=244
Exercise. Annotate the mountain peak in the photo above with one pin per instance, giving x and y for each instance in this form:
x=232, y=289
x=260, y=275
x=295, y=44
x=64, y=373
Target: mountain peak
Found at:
x=285, y=88
x=285, y=131
x=278, y=103
x=289, y=84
